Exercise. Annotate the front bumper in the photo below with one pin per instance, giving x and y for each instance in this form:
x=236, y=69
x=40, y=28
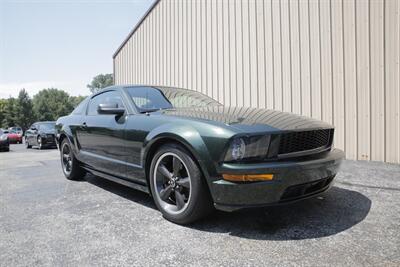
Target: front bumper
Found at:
x=293, y=180
x=15, y=140
x=4, y=144
x=49, y=140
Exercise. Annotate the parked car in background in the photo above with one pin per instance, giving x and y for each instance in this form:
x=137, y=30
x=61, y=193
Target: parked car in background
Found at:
x=192, y=153
x=4, y=142
x=41, y=134
x=18, y=130
x=14, y=137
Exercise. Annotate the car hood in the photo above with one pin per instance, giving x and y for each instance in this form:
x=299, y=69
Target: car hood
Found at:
x=253, y=119
x=13, y=135
x=48, y=132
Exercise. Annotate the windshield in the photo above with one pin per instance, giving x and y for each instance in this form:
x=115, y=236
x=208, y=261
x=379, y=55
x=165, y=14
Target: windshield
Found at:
x=80, y=109
x=156, y=98
x=47, y=126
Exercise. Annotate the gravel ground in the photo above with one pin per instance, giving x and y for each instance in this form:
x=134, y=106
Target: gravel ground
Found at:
x=48, y=220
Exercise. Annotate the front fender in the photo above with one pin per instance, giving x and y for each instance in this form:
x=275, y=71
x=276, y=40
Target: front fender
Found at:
x=66, y=132
x=186, y=135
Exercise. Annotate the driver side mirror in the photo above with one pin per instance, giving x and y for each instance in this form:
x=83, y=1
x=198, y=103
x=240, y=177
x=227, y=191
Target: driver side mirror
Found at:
x=110, y=108
x=33, y=128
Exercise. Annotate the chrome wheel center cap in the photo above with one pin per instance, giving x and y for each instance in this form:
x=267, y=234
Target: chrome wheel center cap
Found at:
x=173, y=181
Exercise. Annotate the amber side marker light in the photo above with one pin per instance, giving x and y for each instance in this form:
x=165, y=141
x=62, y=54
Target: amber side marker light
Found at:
x=248, y=177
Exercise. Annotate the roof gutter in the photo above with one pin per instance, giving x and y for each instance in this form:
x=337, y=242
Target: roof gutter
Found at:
x=136, y=27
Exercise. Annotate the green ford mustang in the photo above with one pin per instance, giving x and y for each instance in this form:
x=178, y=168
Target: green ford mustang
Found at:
x=193, y=154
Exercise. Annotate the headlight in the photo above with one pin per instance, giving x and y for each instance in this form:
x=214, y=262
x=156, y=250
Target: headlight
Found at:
x=3, y=137
x=247, y=148
x=238, y=149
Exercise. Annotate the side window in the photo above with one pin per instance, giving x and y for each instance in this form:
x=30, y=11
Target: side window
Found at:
x=104, y=98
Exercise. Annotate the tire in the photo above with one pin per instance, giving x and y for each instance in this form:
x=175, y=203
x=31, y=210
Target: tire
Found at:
x=39, y=142
x=70, y=165
x=27, y=145
x=188, y=182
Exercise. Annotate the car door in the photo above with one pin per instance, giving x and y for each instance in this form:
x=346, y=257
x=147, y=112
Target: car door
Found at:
x=31, y=133
x=102, y=136
x=28, y=134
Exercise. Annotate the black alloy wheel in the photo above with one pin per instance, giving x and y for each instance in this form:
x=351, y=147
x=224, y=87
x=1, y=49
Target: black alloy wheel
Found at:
x=66, y=159
x=70, y=165
x=172, y=182
x=177, y=185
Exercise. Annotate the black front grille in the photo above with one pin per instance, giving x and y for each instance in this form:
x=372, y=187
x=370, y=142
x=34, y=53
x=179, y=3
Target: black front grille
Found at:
x=50, y=138
x=303, y=141
x=303, y=190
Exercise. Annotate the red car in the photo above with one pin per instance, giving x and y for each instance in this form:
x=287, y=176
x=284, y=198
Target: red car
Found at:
x=14, y=137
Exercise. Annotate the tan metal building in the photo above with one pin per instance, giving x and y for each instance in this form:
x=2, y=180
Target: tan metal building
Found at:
x=333, y=60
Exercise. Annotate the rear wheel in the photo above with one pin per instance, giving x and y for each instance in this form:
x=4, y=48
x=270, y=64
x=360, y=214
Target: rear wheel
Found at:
x=70, y=165
x=177, y=186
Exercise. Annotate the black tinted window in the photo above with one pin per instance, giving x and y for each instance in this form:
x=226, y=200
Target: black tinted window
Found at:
x=47, y=126
x=109, y=97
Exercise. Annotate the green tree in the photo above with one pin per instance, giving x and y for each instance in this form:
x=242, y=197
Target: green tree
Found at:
x=24, y=115
x=9, y=114
x=3, y=103
x=100, y=81
x=50, y=104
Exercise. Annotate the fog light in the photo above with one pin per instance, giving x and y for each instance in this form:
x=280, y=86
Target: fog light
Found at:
x=248, y=177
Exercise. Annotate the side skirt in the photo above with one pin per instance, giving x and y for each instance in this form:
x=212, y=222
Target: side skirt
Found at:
x=119, y=180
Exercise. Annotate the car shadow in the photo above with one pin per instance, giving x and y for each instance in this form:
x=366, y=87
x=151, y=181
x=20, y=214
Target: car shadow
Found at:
x=331, y=213
x=121, y=190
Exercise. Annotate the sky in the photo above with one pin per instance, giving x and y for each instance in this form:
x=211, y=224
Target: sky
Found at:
x=60, y=43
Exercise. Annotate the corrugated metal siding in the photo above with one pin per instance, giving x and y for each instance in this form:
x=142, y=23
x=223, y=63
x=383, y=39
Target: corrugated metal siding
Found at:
x=333, y=60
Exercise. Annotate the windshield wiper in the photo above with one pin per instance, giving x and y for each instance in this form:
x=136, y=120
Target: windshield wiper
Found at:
x=150, y=110
x=154, y=110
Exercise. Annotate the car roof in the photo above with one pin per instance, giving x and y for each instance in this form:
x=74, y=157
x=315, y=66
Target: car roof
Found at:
x=123, y=86
x=44, y=122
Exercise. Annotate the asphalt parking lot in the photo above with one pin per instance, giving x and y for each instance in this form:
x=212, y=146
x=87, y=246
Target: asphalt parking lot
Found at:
x=48, y=220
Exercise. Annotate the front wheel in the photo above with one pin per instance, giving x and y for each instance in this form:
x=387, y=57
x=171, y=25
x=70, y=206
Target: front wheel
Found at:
x=69, y=164
x=27, y=144
x=177, y=186
x=39, y=141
